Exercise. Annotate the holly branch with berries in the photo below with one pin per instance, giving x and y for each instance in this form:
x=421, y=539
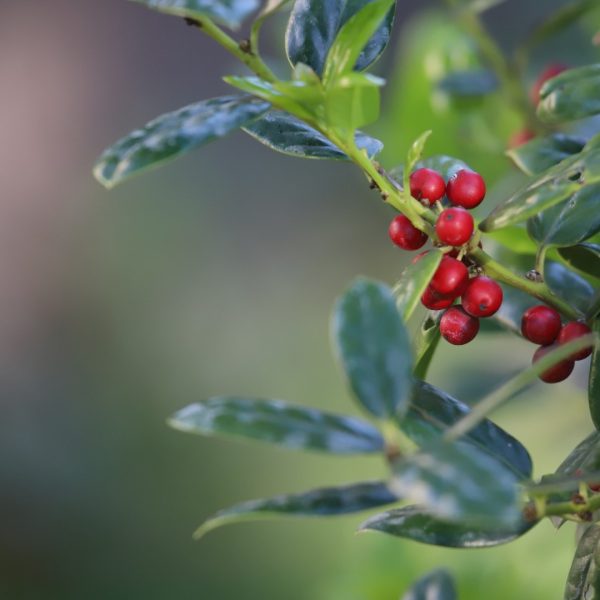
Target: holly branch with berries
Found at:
x=456, y=479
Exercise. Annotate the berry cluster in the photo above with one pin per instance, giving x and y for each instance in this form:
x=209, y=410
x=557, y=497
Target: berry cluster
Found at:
x=480, y=295
x=542, y=325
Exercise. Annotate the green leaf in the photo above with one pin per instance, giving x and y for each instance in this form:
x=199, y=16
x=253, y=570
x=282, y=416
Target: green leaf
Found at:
x=570, y=222
x=458, y=482
x=278, y=422
x=354, y=36
x=416, y=524
x=569, y=286
x=374, y=348
x=324, y=502
x=594, y=381
x=426, y=342
x=514, y=304
x=414, y=281
x=540, y=154
x=285, y=133
x=583, y=581
x=583, y=257
x=515, y=238
x=437, y=585
x=315, y=24
x=574, y=94
x=585, y=457
x=175, y=133
x=593, y=310
x=228, y=12
x=432, y=412
x=472, y=83
x=415, y=152
x=446, y=166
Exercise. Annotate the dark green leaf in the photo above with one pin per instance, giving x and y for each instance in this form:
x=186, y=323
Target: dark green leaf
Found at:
x=414, y=523
x=469, y=83
x=432, y=411
x=285, y=133
x=228, y=12
x=414, y=281
x=585, y=457
x=540, y=154
x=574, y=94
x=583, y=257
x=374, y=348
x=569, y=286
x=583, y=582
x=426, y=342
x=278, y=422
x=594, y=309
x=514, y=304
x=458, y=482
x=594, y=383
x=175, y=133
x=314, y=25
x=570, y=222
x=324, y=502
x=437, y=585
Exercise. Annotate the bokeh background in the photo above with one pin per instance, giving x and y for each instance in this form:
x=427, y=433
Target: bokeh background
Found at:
x=216, y=274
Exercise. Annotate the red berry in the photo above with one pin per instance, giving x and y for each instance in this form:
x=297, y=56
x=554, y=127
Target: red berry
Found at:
x=482, y=297
x=458, y=327
x=595, y=487
x=548, y=73
x=556, y=373
x=540, y=324
x=466, y=188
x=520, y=137
x=451, y=278
x=427, y=184
x=454, y=226
x=404, y=234
x=571, y=331
x=434, y=301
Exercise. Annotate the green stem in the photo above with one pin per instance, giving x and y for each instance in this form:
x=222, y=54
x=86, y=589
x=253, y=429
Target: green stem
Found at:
x=245, y=55
x=540, y=260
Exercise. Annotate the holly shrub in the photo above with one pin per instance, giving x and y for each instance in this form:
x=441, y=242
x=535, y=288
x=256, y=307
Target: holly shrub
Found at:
x=530, y=266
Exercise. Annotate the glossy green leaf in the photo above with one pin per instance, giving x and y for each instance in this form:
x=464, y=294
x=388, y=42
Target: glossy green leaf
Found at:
x=574, y=94
x=285, y=133
x=540, y=154
x=425, y=343
x=278, y=422
x=583, y=257
x=323, y=502
x=446, y=166
x=459, y=482
x=473, y=83
x=569, y=286
x=594, y=308
x=583, y=581
x=594, y=381
x=416, y=524
x=413, y=282
x=436, y=585
x=432, y=412
x=374, y=348
x=514, y=304
x=585, y=457
x=570, y=222
x=228, y=12
x=354, y=35
x=175, y=133
x=315, y=24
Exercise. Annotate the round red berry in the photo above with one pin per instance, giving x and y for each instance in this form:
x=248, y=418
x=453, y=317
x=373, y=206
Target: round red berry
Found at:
x=458, y=327
x=482, y=297
x=540, y=325
x=427, y=184
x=404, y=234
x=454, y=226
x=450, y=278
x=571, y=331
x=434, y=301
x=556, y=373
x=549, y=72
x=466, y=188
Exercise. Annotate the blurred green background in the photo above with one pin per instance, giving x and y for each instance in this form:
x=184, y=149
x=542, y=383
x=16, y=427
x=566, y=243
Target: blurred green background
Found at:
x=213, y=275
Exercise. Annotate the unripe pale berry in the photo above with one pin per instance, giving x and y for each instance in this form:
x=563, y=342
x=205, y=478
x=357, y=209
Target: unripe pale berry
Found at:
x=482, y=297
x=405, y=235
x=556, y=373
x=458, y=327
x=540, y=325
x=549, y=72
x=466, y=188
x=571, y=331
x=428, y=185
x=454, y=226
x=450, y=278
x=434, y=301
